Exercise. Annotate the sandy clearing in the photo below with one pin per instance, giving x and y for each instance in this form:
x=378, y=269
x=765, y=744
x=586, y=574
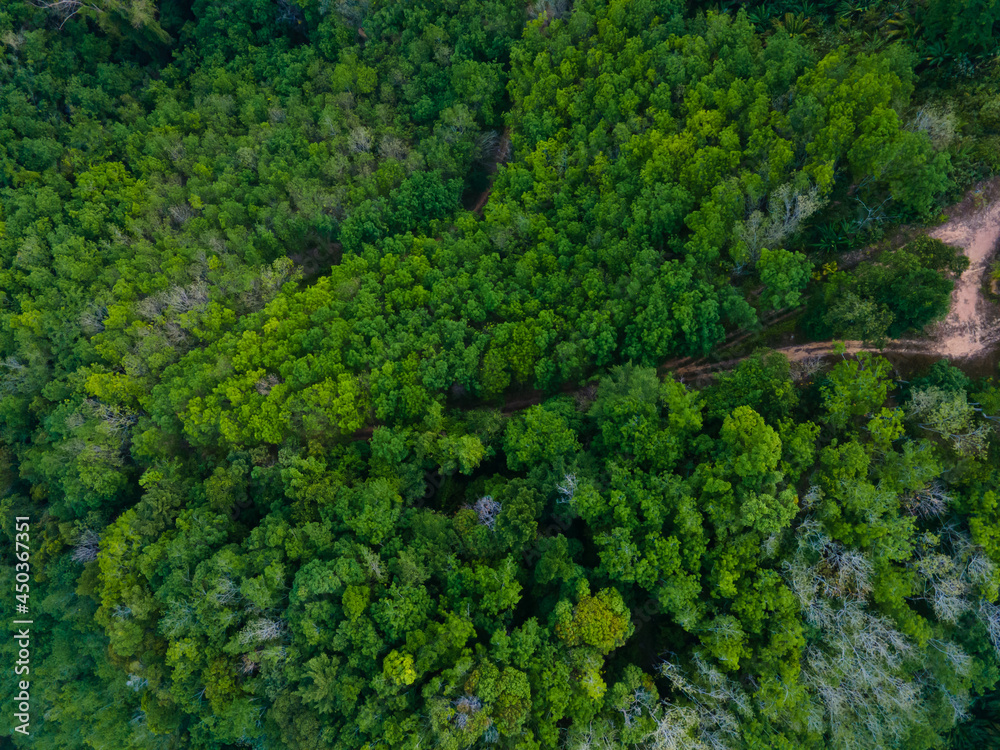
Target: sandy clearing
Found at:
x=971, y=325
x=970, y=330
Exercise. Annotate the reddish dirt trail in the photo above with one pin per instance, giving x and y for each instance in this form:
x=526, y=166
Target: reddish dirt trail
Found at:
x=972, y=327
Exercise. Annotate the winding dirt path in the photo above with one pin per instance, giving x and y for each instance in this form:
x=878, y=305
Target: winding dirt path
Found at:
x=970, y=330
x=972, y=326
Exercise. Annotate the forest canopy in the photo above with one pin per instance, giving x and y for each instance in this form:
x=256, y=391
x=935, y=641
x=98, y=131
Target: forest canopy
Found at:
x=339, y=348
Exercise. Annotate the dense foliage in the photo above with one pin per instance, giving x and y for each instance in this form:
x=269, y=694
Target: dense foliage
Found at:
x=270, y=270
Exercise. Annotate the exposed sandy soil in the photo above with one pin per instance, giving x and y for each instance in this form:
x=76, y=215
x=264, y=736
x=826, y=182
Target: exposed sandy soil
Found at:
x=971, y=326
x=970, y=331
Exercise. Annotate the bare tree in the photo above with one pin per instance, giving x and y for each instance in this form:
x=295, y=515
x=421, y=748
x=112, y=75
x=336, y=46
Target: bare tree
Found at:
x=989, y=615
x=927, y=502
x=181, y=213
x=141, y=14
x=352, y=11
x=176, y=619
x=950, y=415
x=787, y=209
x=487, y=509
x=806, y=367
x=122, y=612
x=66, y=9
x=938, y=123
x=13, y=375
x=85, y=548
x=374, y=563
x=465, y=708
x=360, y=140
x=226, y=591
x=549, y=8
x=393, y=147
x=92, y=318
x=264, y=385
x=262, y=630
x=567, y=489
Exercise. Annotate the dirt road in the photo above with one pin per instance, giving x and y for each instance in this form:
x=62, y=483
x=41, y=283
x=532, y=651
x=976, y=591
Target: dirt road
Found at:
x=972, y=324
x=970, y=330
